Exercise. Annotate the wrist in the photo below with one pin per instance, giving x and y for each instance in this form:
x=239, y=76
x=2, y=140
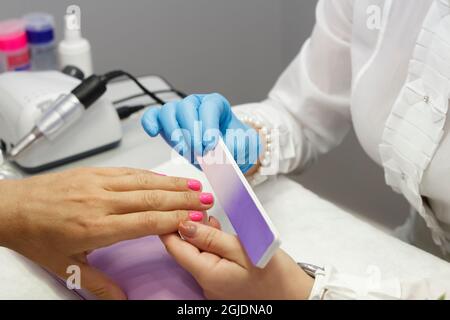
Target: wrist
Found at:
x=8, y=210
x=303, y=285
x=259, y=171
x=261, y=149
x=253, y=170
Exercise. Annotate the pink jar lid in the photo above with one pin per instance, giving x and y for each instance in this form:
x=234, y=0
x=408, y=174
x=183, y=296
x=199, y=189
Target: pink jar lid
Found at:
x=12, y=35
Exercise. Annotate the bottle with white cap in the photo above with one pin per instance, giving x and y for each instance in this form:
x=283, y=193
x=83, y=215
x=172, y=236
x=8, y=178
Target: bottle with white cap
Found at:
x=75, y=50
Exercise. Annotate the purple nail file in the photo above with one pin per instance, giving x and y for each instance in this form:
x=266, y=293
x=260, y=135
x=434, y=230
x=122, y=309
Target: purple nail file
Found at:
x=246, y=214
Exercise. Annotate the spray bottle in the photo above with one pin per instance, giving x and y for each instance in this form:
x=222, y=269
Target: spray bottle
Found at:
x=75, y=50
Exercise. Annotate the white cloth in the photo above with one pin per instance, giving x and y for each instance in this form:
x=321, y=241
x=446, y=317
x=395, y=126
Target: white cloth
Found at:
x=381, y=66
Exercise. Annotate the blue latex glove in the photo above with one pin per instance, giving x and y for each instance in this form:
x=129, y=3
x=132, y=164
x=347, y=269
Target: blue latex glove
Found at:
x=192, y=126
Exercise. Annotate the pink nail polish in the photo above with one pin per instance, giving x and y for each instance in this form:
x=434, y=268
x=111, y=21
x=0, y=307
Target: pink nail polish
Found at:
x=206, y=198
x=194, y=185
x=196, y=216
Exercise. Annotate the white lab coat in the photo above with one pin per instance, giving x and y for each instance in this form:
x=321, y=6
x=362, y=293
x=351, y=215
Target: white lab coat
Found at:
x=382, y=66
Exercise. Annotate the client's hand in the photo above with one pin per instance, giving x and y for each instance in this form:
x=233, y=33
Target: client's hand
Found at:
x=220, y=265
x=57, y=219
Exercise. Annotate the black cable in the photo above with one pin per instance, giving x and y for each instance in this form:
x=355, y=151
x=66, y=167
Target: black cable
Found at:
x=92, y=88
x=171, y=90
x=126, y=111
x=119, y=73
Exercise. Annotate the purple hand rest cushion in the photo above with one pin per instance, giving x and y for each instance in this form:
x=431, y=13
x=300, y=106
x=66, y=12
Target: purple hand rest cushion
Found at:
x=145, y=271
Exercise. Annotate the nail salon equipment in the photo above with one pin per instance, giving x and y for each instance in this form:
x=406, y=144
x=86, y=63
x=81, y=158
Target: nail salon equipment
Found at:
x=40, y=29
x=39, y=115
x=39, y=106
x=7, y=171
x=74, y=49
x=14, y=54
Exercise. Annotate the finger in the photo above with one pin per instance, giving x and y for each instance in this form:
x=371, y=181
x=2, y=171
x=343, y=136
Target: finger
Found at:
x=187, y=117
x=99, y=284
x=214, y=223
x=77, y=273
x=159, y=200
x=108, y=171
x=188, y=256
x=173, y=134
x=214, y=241
x=213, y=113
x=142, y=224
x=150, y=122
x=147, y=180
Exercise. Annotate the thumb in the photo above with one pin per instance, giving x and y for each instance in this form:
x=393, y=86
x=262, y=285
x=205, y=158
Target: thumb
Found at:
x=215, y=241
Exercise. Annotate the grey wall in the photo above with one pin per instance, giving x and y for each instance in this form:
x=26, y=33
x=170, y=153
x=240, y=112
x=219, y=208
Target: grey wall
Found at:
x=236, y=47
x=230, y=46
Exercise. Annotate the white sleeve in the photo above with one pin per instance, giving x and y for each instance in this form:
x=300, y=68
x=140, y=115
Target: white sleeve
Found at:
x=333, y=285
x=309, y=105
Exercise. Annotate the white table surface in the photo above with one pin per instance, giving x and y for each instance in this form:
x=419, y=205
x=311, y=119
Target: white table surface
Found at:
x=312, y=229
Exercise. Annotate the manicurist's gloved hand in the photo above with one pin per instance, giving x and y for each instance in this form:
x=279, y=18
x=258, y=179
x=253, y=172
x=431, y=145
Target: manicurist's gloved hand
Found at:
x=193, y=126
x=57, y=219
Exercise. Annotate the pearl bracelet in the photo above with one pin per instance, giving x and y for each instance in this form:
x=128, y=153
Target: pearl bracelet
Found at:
x=266, y=159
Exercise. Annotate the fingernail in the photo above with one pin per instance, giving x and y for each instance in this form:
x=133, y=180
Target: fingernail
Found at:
x=153, y=130
x=196, y=216
x=206, y=198
x=211, y=219
x=194, y=185
x=160, y=174
x=187, y=229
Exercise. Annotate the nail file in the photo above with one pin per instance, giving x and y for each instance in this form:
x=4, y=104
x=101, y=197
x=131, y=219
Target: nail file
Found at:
x=256, y=232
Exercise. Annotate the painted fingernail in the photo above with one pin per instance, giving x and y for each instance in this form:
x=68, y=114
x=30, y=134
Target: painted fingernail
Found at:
x=196, y=216
x=194, y=185
x=187, y=229
x=206, y=198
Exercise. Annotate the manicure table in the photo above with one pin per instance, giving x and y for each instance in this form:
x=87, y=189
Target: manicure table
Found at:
x=312, y=229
